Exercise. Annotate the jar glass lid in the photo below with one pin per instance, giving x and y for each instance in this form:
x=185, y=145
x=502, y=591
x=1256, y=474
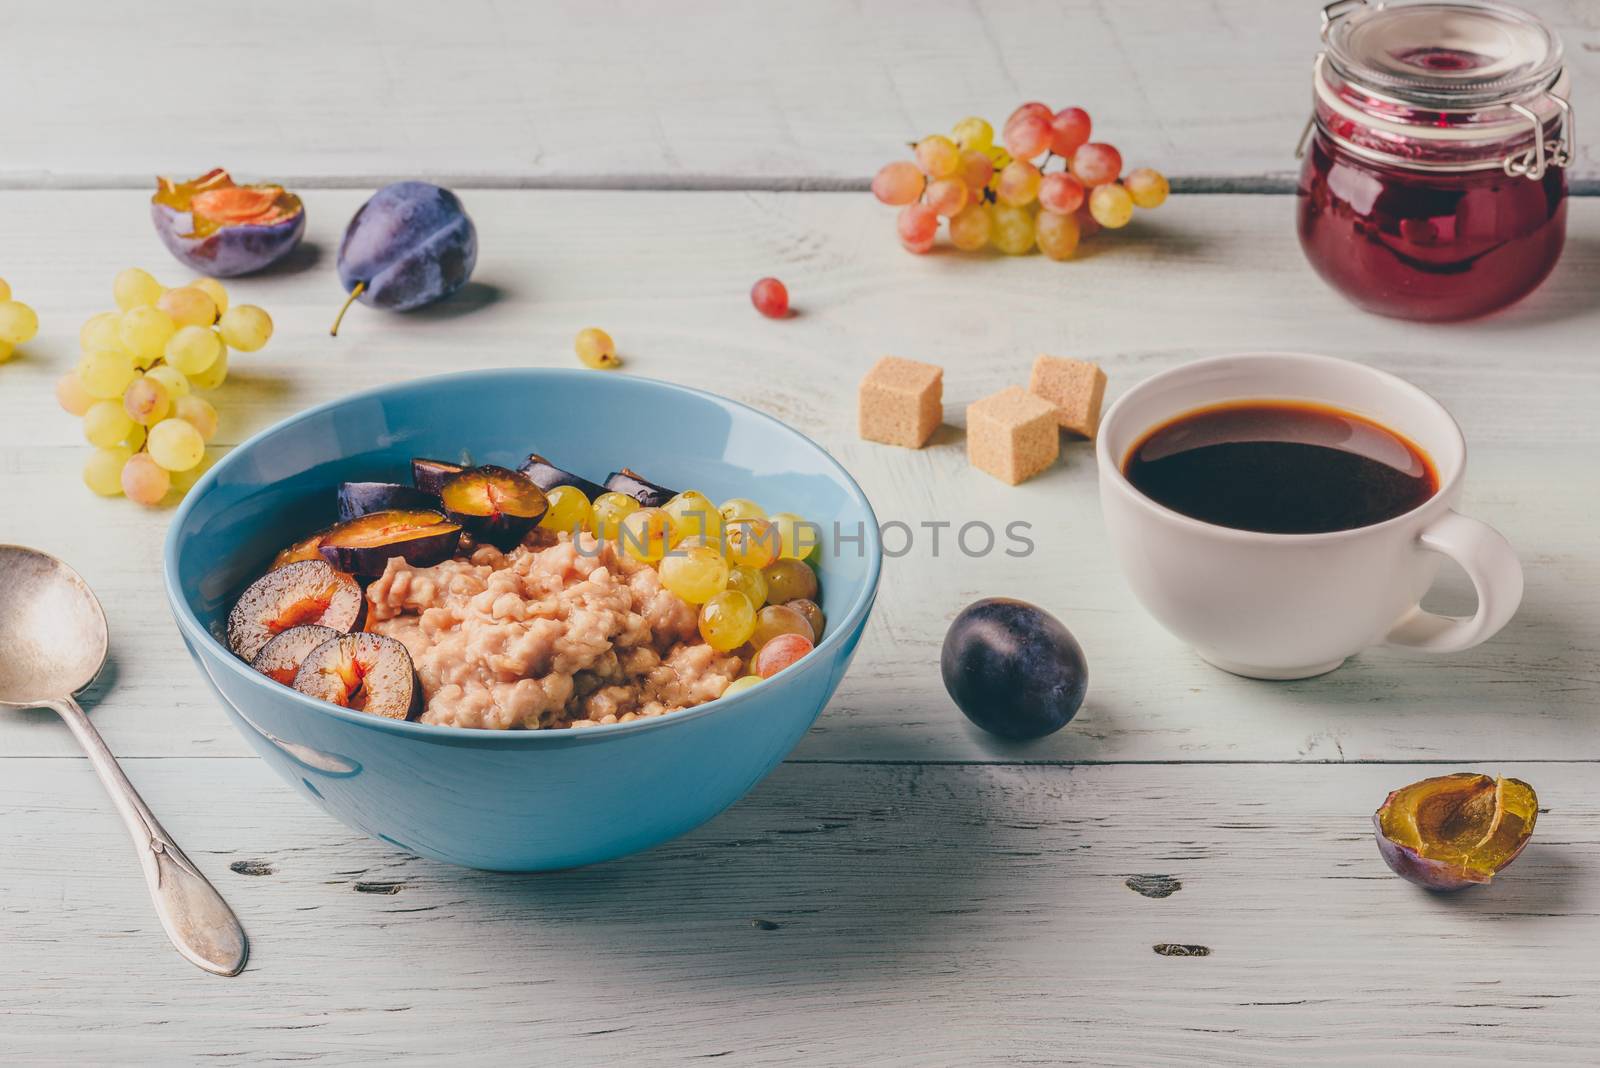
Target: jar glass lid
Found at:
x=1443, y=54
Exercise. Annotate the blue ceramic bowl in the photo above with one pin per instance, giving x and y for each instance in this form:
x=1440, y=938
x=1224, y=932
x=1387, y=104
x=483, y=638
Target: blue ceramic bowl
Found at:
x=522, y=800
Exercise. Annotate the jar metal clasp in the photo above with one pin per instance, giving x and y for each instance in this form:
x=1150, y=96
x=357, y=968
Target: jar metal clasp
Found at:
x=1543, y=154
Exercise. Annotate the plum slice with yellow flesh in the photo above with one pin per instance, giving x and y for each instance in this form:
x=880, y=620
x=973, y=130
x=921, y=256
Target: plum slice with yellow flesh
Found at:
x=495, y=504
x=429, y=475
x=297, y=594
x=307, y=548
x=647, y=493
x=364, y=545
x=363, y=498
x=365, y=672
x=281, y=657
x=1454, y=831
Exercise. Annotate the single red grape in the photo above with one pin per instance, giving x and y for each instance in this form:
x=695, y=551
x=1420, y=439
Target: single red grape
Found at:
x=1060, y=193
x=1096, y=163
x=771, y=298
x=1069, y=128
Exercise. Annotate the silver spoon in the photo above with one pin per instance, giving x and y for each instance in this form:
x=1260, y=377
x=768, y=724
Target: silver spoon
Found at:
x=52, y=644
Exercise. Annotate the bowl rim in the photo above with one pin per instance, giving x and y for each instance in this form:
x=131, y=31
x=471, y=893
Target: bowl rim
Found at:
x=190, y=627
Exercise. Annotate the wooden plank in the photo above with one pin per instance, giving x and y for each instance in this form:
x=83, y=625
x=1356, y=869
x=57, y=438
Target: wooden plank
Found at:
x=859, y=914
x=667, y=274
x=706, y=95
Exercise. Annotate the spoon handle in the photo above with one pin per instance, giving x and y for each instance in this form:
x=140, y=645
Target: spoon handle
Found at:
x=199, y=923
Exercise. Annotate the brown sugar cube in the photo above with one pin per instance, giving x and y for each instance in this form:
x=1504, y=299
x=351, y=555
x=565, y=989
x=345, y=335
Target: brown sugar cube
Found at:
x=901, y=402
x=1075, y=387
x=1012, y=435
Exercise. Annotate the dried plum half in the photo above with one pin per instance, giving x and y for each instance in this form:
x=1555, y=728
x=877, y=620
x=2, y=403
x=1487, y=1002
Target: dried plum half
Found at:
x=494, y=504
x=364, y=546
x=304, y=592
x=366, y=672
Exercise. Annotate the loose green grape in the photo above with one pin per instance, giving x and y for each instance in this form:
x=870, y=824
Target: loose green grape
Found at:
x=134, y=288
x=740, y=685
x=212, y=376
x=727, y=620
x=974, y=133
x=750, y=582
x=246, y=328
x=99, y=333
x=71, y=395
x=797, y=537
x=645, y=534
x=18, y=323
x=192, y=349
x=171, y=379
x=751, y=542
x=105, y=424
x=105, y=375
x=144, y=480
x=102, y=472
x=176, y=445
x=189, y=306
x=740, y=508
x=198, y=413
x=610, y=509
x=213, y=289
x=144, y=332
x=692, y=515
x=569, y=510
x=146, y=401
x=596, y=349
x=776, y=619
x=788, y=579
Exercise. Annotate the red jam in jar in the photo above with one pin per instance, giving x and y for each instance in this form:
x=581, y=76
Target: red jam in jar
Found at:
x=1434, y=178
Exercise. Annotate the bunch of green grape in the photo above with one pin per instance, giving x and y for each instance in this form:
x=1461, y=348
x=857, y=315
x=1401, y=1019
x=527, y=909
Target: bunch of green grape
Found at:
x=1006, y=195
x=136, y=383
x=18, y=323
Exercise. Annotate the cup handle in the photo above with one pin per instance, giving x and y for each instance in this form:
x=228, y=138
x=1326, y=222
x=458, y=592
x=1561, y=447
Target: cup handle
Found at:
x=1490, y=563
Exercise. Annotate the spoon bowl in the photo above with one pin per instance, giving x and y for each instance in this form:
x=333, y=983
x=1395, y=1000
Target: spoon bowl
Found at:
x=51, y=627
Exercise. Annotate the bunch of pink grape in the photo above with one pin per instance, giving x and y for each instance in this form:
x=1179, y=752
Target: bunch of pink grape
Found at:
x=136, y=384
x=1007, y=195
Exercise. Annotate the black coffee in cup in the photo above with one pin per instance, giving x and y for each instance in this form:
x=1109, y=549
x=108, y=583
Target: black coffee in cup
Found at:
x=1280, y=467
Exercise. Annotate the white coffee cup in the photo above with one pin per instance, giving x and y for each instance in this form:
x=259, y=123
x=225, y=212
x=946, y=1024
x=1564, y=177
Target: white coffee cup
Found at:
x=1289, y=606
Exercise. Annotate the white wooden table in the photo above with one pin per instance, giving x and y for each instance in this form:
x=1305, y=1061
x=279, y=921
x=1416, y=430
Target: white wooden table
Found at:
x=904, y=889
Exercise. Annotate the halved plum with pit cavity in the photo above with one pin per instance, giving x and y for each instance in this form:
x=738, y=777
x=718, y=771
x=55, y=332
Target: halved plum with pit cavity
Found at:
x=365, y=672
x=280, y=659
x=547, y=476
x=494, y=504
x=1454, y=831
x=363, y=498
x=363, y=546
x=647, y=493
x=219, y=228
x=429, y=475
x=297, y=594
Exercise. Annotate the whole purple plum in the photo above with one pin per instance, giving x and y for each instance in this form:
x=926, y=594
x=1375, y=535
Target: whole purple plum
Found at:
x=411, y=244
x=1013, y=668
x=218, y=228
